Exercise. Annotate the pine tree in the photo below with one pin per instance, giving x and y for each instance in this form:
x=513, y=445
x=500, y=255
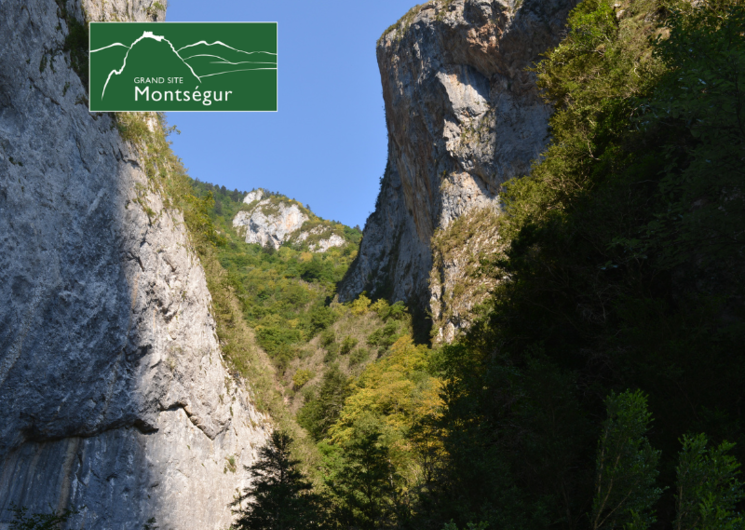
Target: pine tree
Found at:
x=279, y=497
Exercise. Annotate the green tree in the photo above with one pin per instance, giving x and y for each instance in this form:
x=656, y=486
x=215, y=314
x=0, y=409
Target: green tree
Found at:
x=321, y=412
x=708, y=490
x=626, y=468
x=700, y=100
x=321, y=317
x=471, y=526
x=364, y=485
x=279, y=497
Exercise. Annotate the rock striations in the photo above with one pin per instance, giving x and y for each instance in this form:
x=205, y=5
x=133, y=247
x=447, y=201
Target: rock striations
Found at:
x=463, y=116
x=273, y=220
x=115, y=397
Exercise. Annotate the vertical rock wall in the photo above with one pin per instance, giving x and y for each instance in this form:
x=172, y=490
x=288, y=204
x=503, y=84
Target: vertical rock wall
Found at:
x=463, y=116
x=115, y=397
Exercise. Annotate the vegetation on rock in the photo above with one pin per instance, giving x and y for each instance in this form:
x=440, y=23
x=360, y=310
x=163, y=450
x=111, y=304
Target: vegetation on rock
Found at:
x=617, y=267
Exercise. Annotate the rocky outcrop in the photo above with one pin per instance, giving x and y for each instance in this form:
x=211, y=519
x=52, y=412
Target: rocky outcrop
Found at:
x=115, y=396
x=273, y=220
x=321, y=239
x=268, y=221
x=463, y=116
x=324, y=244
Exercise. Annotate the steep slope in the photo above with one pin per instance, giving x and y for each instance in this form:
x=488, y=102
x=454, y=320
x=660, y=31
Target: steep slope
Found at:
x=115, y=394
x=463, y=116
x=622, y=292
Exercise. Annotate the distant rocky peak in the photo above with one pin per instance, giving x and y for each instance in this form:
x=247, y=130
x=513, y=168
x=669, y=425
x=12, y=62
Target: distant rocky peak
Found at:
x=272, y=219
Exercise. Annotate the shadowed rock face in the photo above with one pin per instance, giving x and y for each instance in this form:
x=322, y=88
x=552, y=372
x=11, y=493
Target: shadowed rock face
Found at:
x=463, y=116
x=114, y=393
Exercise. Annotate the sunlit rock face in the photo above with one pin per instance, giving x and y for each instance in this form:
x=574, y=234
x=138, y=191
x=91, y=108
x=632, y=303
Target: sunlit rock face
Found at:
x=463, y=116
x=273, y=220
x=324, y=244
x=115, y=397
x=269, y=224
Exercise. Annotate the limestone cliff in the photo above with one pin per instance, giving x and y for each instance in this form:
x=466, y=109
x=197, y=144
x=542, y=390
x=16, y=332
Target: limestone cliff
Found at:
x=115, y=396
x=271, y=219
x=463, y=116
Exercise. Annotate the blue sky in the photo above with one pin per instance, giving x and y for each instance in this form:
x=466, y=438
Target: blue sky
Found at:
x=327, y=145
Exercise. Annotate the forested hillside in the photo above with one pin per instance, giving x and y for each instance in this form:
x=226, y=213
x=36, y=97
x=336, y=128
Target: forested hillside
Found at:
x=284, y=293
x=603, y=386
x=348, y=374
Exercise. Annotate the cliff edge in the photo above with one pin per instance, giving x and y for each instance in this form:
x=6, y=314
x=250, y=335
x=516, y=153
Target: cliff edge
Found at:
x=463, y=116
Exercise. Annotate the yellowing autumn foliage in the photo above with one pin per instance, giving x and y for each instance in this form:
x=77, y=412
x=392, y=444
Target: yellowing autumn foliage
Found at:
x=361, y=305
x=393, y=396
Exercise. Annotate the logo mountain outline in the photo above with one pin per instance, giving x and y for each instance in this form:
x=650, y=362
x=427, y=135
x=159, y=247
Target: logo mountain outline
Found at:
x=217, y=42
x=145, y=35
x=184, y=60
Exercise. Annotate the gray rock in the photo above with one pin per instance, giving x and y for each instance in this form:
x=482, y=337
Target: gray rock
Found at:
x=269, y=223
x=333, y=240
x=463, y=116
x=324, y=244
x=252, y=196
x=273, y=220
x=116, y=399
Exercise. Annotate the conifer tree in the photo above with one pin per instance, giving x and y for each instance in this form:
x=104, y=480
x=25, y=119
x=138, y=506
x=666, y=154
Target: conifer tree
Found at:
x=279, y=497
x=365, y=485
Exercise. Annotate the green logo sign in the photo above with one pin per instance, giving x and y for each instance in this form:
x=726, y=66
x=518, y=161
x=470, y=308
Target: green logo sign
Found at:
x=183, y=66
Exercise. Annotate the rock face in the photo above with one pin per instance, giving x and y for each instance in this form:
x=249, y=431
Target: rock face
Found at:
x=324, y=244
x=268, y=222
x=463, y=116
x=116, y=400
x=272, y=220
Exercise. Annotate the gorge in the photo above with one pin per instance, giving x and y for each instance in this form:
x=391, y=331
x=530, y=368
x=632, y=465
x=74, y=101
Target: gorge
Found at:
x=540, y=325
